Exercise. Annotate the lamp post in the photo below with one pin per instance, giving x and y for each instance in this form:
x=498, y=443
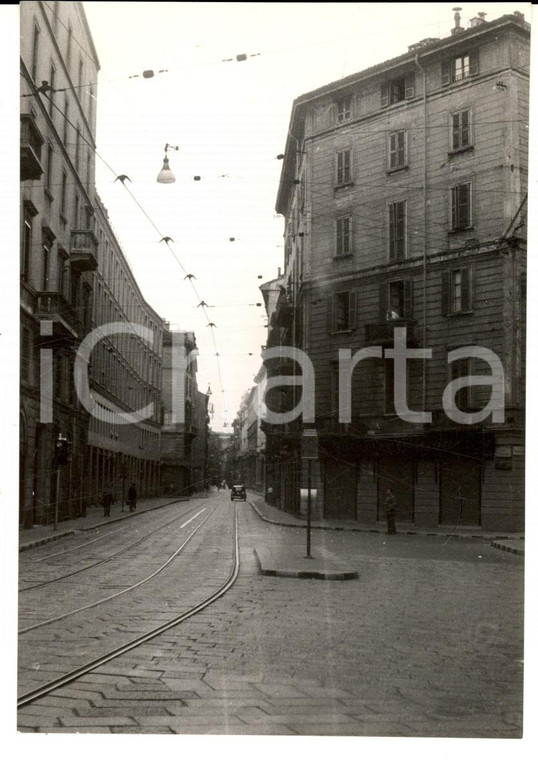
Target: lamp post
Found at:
x=166, y=176
x=309, y=453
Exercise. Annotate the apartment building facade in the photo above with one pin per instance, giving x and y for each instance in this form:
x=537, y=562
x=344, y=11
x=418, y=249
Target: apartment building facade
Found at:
x=58, y=252
x=125, y=375
x=404, y=195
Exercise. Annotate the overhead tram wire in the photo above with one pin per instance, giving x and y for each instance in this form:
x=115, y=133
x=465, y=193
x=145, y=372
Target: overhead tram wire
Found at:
x=147, y=216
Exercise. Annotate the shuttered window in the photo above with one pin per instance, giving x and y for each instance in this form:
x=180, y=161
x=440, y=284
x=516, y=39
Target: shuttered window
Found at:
x=397, y=149
x=397, y=230
x=342, y=311
x=343, y=112
x=398, y=89
x=457, y=291
x=461, y=130
x=460, y=67
x=395, y=300
x=343, y=236
x=461, y=206
x=343, y=167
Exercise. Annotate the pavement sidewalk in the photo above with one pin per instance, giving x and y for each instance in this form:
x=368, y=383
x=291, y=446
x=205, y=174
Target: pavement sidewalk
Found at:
x=514, y=543
x=29, y=538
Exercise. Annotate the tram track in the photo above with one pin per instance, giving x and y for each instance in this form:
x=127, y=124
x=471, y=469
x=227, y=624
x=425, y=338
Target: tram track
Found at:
x=128, y=589
x=76, y=673
x=127, y=517
x=106, y=559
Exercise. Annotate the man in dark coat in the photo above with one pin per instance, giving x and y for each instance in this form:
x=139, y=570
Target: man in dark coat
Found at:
x=390, y=511
x=131, y=497
x=107, y=501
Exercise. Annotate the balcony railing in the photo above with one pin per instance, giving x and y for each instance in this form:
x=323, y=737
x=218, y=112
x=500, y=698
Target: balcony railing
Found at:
x=31, y=142
x=54, y=307
x=83, y=253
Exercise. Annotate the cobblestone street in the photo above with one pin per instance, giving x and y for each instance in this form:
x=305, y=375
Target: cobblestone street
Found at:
x=426, y=642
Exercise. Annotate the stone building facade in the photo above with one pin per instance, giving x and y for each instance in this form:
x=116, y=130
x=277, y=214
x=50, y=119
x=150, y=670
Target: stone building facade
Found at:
x=404, y=195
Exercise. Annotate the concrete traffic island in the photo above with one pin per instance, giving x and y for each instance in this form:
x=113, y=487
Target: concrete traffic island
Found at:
x=291, y=562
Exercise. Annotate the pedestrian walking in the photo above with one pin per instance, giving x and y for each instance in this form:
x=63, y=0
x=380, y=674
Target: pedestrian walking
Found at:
x=106, y=501
x=390, y=511
x=131, y=497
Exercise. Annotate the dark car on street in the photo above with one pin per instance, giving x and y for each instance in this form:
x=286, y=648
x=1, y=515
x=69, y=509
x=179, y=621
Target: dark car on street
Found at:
x=238, y=493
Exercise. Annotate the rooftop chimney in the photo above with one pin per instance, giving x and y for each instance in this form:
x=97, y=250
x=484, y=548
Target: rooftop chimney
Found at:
x=479, y=19
x=519, y=15
x=457, y=28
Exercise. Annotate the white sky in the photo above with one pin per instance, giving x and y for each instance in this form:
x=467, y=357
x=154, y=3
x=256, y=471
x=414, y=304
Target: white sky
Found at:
x=228, y=118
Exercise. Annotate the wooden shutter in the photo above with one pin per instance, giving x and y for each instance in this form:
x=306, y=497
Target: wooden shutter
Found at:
x=330, y=314
x=473, y=63
x=408, y=299
x=383, y=302
x=352, y=310
x=466, y=300
x=463, y=196
x=446, y=73
x=384, y=95
x=410, y=85
x=445, y=292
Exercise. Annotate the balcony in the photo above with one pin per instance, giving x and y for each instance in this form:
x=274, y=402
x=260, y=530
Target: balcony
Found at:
x=55, y=308
x=382, y=333
x=31, y=142
x=83, y=253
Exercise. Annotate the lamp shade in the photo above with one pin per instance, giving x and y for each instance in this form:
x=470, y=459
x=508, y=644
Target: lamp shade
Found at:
x=166, y=176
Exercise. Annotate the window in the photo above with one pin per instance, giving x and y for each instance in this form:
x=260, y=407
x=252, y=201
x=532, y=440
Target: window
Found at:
x=26, y=355
x=342, y=311
x=397, y=230
x=80, y=71
x=398, y=150
x=344, y=109
x=460, y=206
x=63, y=199
x=62, y=266
x=48, y=172
x=343, y=236
x=395, y=300
x=35, y=51
x=69, y=45
x=457, y=291
x=66, y=120
x=343, y=167
x=398, y=89
x=77, y=149
x=461, y=130
x=460, y=67
x=46, y=267
x=76, y=212
x=457, y=369
x=26, y=248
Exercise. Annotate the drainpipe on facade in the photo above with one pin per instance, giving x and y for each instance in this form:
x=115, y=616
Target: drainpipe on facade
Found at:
x=424, y=232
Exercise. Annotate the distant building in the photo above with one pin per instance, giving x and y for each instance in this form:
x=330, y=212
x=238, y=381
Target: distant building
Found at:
x=404, y=193
x=184, y=410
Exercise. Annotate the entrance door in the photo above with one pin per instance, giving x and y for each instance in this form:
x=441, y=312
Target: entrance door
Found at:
x=340, y=489
x=460, y=492
x=396, y=473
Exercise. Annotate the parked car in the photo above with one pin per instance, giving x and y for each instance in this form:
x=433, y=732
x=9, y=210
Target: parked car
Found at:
x=238, y=493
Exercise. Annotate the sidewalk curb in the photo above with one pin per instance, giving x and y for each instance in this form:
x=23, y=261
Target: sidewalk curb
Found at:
x=56, y=536
x=383, y=531
x=324, y=575
x=511, y=549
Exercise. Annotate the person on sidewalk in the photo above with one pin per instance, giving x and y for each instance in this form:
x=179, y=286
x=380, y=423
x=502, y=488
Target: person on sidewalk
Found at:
x=390, y=511
x=107, y=502
x=131, y=497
